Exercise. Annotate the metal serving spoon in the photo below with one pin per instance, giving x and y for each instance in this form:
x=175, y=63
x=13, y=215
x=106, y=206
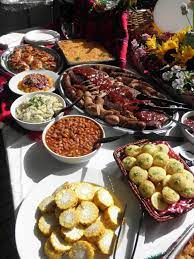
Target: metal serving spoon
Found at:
x=139, y=135
x=185, y=126
x=68, y=107
x=108, y=139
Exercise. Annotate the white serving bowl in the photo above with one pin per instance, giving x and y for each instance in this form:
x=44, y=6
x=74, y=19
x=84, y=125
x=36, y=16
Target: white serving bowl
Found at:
x=66, y=159
x=187, y=134
x=14, y=81
x=34, y=126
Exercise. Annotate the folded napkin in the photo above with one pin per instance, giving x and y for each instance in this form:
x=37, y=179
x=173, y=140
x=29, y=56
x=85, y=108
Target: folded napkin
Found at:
x=11, y=40
x=109, y=28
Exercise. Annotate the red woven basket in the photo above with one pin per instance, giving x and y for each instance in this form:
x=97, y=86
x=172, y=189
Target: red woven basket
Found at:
x=119, y=154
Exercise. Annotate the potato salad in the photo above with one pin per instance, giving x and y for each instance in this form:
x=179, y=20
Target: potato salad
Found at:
x=39, y=108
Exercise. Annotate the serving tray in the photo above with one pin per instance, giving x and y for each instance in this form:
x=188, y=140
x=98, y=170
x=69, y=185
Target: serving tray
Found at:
x=163, y=129
x=69, y=63
x=119, y=154
x=6, y=54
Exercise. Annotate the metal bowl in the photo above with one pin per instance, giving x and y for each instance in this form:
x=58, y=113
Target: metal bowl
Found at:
x=6, y=54
x=163, y=129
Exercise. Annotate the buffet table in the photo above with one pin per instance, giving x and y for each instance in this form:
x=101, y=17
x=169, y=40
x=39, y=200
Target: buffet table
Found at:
x=29, y=163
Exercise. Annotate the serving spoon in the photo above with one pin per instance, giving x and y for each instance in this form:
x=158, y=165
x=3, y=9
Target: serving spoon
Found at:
x=68, y=107
x=108, y=139
x=183, y=125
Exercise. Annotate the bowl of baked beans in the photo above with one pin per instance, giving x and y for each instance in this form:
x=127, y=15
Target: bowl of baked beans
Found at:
x=72, y=138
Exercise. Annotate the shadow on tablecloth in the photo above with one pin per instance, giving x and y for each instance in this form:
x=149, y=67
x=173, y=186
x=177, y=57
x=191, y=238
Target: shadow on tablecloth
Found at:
x=7, y=218
x=38, y=164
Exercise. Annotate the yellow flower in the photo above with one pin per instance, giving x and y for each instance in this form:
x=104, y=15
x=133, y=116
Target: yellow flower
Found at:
x=186, y=53
x=151, y=43
x=180, y=36
x=165, y=51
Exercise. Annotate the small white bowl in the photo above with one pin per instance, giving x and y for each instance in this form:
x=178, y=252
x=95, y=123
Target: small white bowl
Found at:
x=14, y=81
x=187, y=134
x=34, y=126
x=66, y=159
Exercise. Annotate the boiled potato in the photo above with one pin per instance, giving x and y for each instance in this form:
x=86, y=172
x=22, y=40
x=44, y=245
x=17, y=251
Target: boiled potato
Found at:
x=146, y=188
x=129, y=162
x=166, y=180
x=133, y=150
x=145, y=160
x=170, y=196
x=156, y=174
x=179, y=182
x=149, y=148
x=188, y=191
x=188, y=175
x=174, y=166
x=138, y=175
x=162, y=148
x=160, y=159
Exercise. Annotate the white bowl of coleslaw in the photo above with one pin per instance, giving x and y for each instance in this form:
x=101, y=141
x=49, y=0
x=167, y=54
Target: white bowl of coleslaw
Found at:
x=35, y=111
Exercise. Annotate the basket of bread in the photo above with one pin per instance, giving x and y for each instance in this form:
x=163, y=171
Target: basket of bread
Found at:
x=159, y=178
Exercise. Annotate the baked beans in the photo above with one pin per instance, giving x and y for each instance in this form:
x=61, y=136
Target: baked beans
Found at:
x=73, y=136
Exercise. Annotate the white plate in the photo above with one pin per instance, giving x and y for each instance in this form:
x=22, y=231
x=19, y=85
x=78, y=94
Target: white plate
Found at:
x=168, y=16
x=28, y=244
x=13, y=83
x=41, y=37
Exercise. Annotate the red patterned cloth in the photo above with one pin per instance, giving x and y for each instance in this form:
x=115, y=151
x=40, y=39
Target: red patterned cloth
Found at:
x=109, y=28
x=5, y=96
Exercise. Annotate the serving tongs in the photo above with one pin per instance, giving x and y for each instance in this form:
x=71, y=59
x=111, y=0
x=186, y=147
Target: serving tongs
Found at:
x=142, y=106
x=167, y=101
x=119, y=233
x=177, y=242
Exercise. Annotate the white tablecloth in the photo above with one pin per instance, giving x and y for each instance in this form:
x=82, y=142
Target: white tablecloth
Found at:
x=29, y=163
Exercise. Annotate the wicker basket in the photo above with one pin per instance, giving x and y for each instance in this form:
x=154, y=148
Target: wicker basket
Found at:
x=119, y=154
x=139, y=22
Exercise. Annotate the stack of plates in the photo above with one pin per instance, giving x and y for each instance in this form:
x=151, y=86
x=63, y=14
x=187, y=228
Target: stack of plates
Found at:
x=41, y=37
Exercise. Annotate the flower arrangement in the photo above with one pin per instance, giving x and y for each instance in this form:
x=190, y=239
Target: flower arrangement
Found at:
x=179, y=78
x=173, y=50
x=166, y=56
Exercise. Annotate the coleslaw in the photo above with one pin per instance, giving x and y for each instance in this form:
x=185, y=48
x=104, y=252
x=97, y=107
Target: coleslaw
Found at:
x=39, y=108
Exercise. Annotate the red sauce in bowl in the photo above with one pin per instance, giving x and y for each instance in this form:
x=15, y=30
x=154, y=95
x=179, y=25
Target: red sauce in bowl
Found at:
x=189, y=122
